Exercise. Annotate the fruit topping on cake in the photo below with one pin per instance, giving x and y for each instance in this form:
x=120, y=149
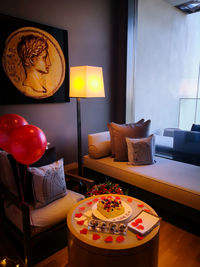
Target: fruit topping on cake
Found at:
x=110, y=208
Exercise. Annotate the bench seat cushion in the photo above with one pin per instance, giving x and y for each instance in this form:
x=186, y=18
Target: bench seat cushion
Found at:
x=47, y=216
x=171, y=179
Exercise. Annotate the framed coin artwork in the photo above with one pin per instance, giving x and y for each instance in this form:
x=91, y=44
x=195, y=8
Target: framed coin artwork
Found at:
x=34, y=65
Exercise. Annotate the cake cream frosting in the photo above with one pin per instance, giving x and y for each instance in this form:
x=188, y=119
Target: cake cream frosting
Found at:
x=110, y=208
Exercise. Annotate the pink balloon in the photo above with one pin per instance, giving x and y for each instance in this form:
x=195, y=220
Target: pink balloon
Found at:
x=28, y=144
x=8, y=123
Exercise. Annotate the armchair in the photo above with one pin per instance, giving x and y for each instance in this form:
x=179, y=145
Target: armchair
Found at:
x=37, y=231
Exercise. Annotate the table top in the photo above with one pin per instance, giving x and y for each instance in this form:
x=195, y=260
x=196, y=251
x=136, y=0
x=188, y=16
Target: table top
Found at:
x=84, y=209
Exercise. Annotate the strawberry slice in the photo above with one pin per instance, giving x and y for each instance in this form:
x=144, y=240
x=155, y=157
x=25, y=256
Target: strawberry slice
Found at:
x=140, y=205
x=89, y=203
x=129, y=199
x=95, y=200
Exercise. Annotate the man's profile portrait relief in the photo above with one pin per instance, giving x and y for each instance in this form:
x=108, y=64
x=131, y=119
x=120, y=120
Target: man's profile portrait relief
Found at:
x=33, y=52
x=34, y=62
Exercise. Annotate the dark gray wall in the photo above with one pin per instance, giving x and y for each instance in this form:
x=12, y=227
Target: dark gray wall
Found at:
x=96, y=37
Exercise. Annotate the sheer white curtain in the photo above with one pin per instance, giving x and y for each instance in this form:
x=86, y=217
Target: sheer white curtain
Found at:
x=131, y=59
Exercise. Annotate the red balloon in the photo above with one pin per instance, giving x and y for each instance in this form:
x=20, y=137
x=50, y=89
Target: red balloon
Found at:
x=28, y=144
x=8, y=123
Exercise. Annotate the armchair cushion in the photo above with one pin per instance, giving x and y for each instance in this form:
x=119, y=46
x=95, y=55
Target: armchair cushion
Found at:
x=48, y=183
x=46, y=216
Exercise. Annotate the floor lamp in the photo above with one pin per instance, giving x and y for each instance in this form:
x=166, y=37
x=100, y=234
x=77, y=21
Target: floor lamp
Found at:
x=85, y=82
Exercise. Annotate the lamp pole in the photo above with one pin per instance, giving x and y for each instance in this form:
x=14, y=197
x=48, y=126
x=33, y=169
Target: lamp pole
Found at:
x=78, y=104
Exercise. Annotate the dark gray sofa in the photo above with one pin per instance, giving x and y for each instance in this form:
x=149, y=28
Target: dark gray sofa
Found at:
x=182, y=146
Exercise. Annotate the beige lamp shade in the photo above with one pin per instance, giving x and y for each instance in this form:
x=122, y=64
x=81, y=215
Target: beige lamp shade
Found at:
x=86, y=81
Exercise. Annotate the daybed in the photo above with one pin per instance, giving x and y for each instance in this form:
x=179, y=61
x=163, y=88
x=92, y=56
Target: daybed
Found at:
x=167, y=184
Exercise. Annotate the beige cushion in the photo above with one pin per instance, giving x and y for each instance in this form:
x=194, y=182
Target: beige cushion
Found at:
x=99, y=145
x=119, y=134
x=168, y=178
x=47, y=216
x=141, y=150
x=48, y=183
x=6, y=173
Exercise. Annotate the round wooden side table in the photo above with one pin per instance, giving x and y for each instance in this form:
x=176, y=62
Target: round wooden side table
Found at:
x=86, y=252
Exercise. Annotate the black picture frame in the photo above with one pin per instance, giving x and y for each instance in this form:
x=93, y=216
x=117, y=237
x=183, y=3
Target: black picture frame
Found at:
x=9, y=94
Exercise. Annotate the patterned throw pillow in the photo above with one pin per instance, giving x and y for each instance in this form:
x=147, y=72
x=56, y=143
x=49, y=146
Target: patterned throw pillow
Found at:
x=48, y=183
x=141, y=150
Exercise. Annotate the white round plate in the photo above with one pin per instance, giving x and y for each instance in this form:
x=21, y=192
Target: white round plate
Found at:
x=127, y=213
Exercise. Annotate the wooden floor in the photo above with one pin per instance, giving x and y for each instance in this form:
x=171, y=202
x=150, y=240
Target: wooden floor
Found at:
x=177, y=248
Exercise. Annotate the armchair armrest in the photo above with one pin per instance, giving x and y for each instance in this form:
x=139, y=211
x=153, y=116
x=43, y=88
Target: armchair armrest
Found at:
x=86, y=181
x=6, y=194
x=83, y=183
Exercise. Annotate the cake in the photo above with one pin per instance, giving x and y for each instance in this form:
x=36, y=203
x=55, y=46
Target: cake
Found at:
x=110, y=208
